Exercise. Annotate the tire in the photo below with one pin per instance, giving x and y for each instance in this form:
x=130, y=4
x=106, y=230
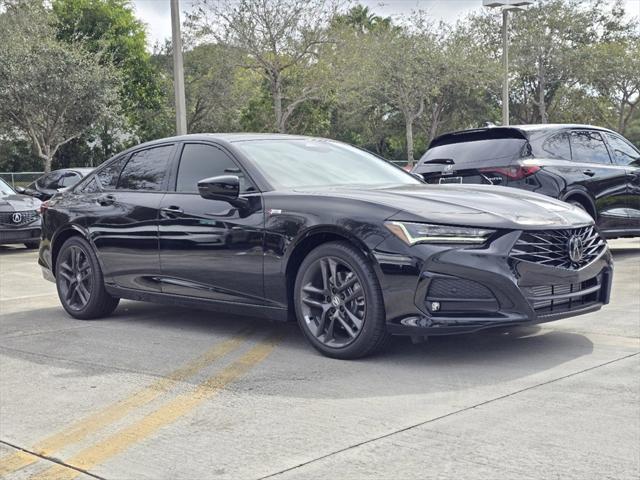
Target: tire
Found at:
x=77, y=266
x=576, y=203
x=342, y=319
x=32, y=245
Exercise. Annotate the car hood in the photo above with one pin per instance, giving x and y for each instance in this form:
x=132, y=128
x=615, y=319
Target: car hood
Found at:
x=470, y=205
x=18, y=203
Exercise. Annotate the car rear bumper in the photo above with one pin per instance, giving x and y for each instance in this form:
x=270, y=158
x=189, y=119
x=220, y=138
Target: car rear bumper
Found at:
x=440, y=290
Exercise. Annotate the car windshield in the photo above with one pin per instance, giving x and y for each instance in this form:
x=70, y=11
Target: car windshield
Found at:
x=5, y=189
x=314, y=163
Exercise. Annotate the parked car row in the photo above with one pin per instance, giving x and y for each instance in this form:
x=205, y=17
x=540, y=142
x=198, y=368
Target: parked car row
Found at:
x=353, y=248
x=48, y=185
x=20, y=207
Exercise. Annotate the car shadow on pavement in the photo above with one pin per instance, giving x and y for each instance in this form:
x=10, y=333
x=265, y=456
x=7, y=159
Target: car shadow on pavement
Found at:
x=141, y=337
x=15, y=249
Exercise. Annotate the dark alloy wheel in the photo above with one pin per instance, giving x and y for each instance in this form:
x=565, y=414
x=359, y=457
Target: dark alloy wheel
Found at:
x=79, y=281
x=339, y=302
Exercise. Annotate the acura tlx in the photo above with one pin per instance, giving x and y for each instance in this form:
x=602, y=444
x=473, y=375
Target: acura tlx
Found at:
x=286, y=227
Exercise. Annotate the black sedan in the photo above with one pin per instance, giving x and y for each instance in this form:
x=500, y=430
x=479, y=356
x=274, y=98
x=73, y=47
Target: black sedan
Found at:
x=593, y=168
x=19, y=217
x=54, y=182
x=302, y=228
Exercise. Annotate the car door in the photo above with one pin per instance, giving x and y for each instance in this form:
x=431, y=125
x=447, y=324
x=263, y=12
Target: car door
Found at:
x=208, y=248
x=124, y=216
x=605, y=181
x=626, y=155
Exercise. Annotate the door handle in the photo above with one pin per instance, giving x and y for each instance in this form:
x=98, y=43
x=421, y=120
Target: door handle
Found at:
x=589, y=172
x=105, y=200
x=171, y=212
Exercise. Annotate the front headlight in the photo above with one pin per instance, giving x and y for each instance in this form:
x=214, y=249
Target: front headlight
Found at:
x=413, y=233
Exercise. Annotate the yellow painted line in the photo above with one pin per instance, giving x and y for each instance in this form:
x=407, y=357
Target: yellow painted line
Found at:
x=118, y=410
x=166, y=414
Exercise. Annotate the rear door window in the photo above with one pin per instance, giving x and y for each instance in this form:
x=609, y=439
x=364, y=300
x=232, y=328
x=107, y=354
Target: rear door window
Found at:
x=623, y=152
x=50, y=181
x=146, y=169
x=557, y=146
x=588, y=146
x=109, y=175
x=69, y=179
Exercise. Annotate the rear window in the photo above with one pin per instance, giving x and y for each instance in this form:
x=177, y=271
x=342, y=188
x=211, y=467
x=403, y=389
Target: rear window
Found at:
x=478, y=150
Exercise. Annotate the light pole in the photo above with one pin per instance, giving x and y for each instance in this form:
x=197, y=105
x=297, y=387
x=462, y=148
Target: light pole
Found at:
x=506, y=5
x=178, y=70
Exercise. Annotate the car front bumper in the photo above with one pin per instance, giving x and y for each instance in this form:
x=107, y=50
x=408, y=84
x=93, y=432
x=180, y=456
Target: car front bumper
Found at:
x=20, y=235
x=439, y=290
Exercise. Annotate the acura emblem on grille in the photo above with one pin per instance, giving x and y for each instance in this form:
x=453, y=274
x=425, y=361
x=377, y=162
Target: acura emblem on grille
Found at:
x=16, y=217
x=575, y=249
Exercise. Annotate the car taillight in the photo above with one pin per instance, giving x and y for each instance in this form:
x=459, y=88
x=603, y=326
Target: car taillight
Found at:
x=43, y=207
x=515, y=172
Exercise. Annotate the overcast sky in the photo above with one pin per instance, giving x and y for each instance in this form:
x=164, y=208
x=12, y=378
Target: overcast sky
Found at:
x=155, y=13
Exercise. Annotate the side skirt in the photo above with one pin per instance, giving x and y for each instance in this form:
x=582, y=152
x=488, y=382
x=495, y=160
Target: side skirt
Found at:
x=259, y=311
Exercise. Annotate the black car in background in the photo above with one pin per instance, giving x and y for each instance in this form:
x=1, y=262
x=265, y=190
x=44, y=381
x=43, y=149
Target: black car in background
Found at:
x=591, y=167
x=51, y=183
x=351, y=246
x=19, y=217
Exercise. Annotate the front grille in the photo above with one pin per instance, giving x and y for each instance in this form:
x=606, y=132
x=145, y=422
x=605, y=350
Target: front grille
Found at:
x=16, y=219
x=551, y=299
x=553, y=247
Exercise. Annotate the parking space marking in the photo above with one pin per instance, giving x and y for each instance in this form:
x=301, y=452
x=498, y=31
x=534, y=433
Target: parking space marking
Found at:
x=120, y=409
x=163, y=416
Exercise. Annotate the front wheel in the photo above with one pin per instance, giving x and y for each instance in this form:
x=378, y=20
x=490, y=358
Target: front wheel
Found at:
x=339, y=302
x=80, y=283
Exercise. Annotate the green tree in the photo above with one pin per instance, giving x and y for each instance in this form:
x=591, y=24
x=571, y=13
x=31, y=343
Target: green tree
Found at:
x=614, y=72
x=50, y=91
x=278, y=39
x=110, y=30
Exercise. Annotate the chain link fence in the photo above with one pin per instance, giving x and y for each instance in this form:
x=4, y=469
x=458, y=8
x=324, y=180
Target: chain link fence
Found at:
x=20, y=179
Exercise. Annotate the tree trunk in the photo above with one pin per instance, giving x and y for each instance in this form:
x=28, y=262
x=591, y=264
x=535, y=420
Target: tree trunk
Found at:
x=436, y=110
x=542, y=107
x=276, y=91
x=47, y=164
x=409, y=127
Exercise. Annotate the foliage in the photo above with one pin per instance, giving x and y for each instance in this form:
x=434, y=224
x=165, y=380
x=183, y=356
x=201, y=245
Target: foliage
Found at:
x=110, y=30
x=317, y=67
x=50, y=91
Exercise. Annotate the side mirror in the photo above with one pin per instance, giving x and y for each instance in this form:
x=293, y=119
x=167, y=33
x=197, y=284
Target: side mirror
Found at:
x=225, y=188
x=20, y=190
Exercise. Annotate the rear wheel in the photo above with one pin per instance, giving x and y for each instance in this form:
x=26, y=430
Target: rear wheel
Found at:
x=80, y=283
x=339, y=302
x=578, y=204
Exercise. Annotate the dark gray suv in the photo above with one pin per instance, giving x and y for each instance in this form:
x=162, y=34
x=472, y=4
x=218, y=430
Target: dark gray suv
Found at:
x=592, y=167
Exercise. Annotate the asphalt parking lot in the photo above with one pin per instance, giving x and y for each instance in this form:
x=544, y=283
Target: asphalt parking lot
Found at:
x=156, y=392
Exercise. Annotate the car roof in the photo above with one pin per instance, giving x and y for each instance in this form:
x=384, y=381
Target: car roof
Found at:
x=512, y=131
x=82, y=170
x=228, y=137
